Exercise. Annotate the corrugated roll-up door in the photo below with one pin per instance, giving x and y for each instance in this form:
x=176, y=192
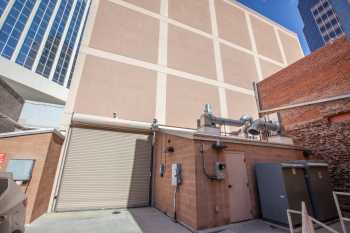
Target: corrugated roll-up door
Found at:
x=105, y=169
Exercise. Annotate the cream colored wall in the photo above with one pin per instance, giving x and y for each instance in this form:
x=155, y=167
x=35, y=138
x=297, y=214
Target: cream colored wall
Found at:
x=167, y=58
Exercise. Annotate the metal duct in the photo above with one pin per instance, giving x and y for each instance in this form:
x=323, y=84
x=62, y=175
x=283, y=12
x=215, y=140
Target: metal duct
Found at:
x=261, y=125
x=209, y=120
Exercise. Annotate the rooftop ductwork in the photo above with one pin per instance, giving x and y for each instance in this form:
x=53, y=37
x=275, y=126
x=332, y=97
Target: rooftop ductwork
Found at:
x=207, y=119
x=260, y=125
x=208, y=123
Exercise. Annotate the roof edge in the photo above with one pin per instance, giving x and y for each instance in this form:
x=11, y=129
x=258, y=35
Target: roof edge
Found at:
x=32, y=132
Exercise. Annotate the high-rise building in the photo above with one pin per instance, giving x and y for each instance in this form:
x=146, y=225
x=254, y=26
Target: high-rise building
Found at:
x=165, y=59
x=39, y=41
x=324, y=20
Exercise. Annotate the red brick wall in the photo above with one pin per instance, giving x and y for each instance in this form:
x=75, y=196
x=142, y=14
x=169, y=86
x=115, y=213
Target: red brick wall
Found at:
x=45, y=150
x=163, y=192
x=324, y=73
x=48, y=175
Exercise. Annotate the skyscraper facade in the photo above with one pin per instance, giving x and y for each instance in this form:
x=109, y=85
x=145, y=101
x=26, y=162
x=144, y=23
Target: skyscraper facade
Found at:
x=324, y=20
x=40, y=36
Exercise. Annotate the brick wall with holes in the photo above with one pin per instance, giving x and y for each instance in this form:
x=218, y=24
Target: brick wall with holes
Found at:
x=324, y=127
x=327, y=133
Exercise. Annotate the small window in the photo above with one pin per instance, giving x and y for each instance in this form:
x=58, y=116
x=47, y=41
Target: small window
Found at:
x=338, y=31
x=21, y=169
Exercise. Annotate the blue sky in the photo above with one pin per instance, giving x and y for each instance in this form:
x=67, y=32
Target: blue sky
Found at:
x=284, y=12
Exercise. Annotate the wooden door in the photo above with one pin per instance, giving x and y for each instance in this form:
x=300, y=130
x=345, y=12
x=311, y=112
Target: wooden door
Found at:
x=238, y=189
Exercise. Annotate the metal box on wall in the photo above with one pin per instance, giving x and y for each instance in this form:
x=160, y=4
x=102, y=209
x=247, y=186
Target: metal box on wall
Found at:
x=320, y=190
x=281, y=186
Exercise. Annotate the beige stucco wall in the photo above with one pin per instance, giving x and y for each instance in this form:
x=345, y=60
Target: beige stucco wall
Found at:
x=165, y=59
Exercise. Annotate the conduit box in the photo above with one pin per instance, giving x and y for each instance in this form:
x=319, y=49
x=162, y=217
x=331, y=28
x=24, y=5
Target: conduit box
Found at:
x=220, y=170
x=175, y=174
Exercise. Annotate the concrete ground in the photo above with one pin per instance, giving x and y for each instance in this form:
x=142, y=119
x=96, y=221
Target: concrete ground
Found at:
x=140, y=220
x=260, y=226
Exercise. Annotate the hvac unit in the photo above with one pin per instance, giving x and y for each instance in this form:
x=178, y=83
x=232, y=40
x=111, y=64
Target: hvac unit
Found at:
x=281, y=186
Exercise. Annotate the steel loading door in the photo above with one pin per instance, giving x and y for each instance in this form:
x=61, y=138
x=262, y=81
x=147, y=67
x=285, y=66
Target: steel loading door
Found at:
x=104, y=169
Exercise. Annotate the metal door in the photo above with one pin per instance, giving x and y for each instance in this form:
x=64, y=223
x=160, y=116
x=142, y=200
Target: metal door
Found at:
x=238, y=189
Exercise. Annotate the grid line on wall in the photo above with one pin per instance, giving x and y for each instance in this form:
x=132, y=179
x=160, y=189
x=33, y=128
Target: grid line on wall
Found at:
x=158, y=68
x=141, y=10
x=218, y=59
x=161, y=88
x=254, y=48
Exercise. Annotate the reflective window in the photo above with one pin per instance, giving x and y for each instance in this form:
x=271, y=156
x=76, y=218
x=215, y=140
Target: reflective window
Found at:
x=327, y=21
x=338, y=31
x=54, y=39
x=3, y=4
x=69, y=42
x=13, y=26
x=35, y=34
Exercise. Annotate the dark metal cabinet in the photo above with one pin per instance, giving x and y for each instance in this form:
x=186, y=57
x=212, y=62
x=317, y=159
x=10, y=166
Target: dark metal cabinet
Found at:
x=320, y=190
x=281, y=186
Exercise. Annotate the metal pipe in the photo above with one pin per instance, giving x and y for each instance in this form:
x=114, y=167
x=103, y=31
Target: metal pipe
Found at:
x=224, y=121
x=201, y=151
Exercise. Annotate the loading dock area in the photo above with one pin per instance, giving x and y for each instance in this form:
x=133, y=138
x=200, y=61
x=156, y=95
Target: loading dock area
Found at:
x=200, y=180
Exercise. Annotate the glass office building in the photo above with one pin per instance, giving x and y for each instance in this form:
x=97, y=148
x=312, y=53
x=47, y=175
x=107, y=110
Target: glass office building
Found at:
x=43, y=35
x=324, y=20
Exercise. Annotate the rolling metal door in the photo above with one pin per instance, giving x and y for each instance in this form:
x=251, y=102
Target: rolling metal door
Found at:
x=105, y=169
